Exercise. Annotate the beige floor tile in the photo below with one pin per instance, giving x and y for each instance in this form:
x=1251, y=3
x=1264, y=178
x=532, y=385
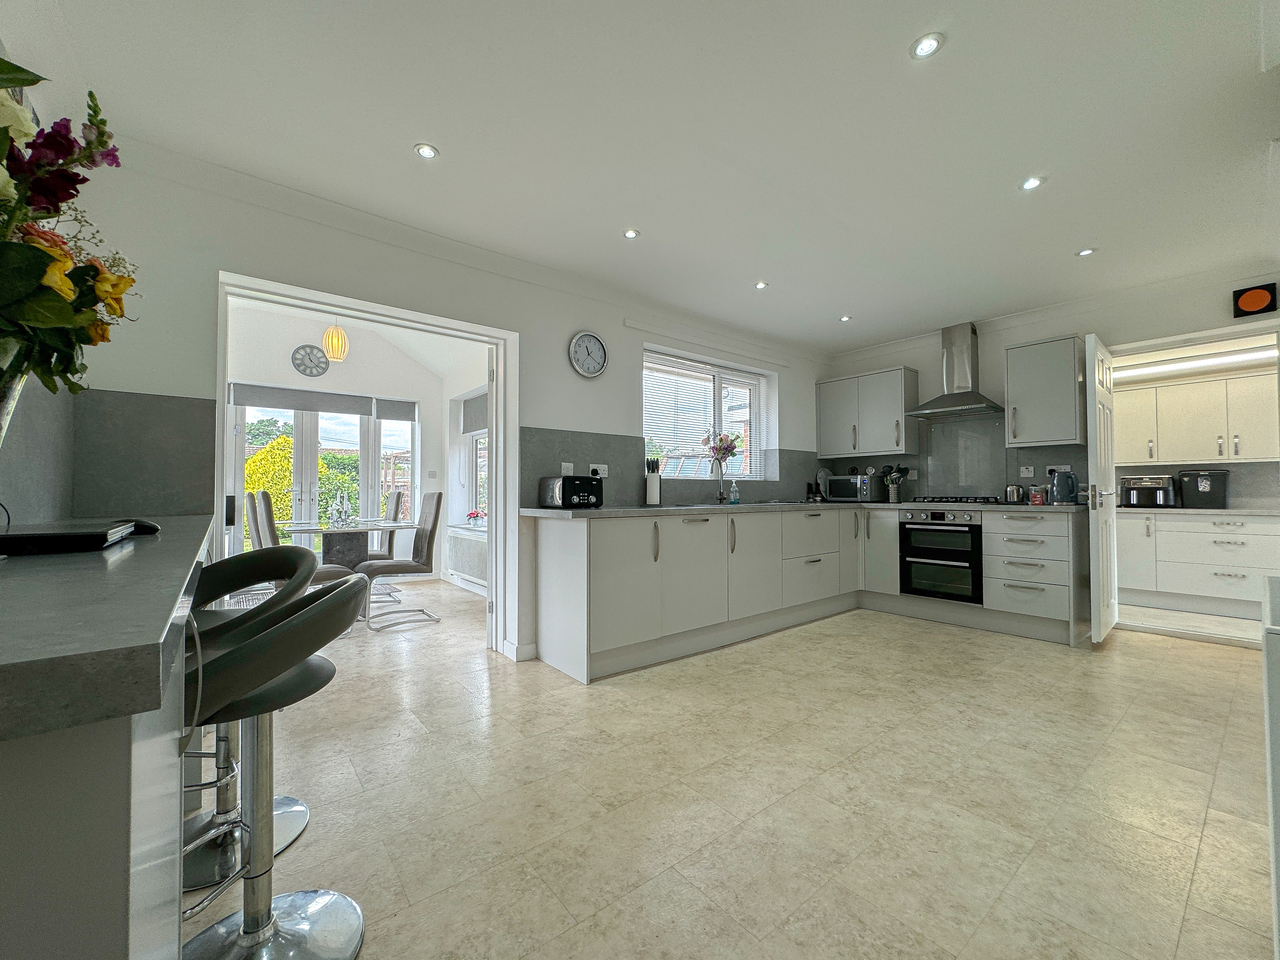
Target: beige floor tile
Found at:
x=1118, y=883
x=436, y=854
x=1166, y=736
x=1014, y=930
x=622, y=775
x=938, y=870
x=536, y=757
x=1156, y=795
x=1233, y=872
x=406, y=759
x=846, y=728
x=1010, y=785
x=1206, y=937
x=1240, y=783
x=836, y=924
x=884, y=781
x=762, y=870
x=751, y=779
x=594, y=864
x=1067, y=738
x=665, y=918
x=364, y=874
x=317, y=781
x=504, y=912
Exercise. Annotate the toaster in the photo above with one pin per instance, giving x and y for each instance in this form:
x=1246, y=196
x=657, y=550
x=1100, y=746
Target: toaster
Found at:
x=571, y=493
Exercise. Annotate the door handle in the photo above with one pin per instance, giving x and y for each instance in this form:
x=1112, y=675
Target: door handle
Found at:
x=897, y=433
x=696, y=520
x=939, y=563
x=1151, y=449
x=855, y=436
x=1219, y=446
x=733, y=535
x=657, y=541
x=1236, y=440
x=1013, y=421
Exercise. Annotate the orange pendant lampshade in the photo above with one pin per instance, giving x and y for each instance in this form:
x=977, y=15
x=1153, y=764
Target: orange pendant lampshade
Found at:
x=335, y=344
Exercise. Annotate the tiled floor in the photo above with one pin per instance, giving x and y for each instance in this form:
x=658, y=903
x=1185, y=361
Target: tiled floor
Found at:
x=1194, y=625
x=863, y=787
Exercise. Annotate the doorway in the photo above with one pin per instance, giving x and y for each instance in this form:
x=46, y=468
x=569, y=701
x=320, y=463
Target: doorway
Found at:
x=343, y=450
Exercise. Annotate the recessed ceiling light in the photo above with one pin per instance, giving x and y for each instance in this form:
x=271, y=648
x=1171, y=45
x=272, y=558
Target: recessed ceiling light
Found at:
x=631, y=234
x=1032, y=182
x=1086, y=252
x=845, y=319
x=426, y=151
x=760, y=284
x=927, y=46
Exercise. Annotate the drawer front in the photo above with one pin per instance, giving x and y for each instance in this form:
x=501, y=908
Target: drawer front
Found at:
x=1025, y=545
x=1260, y=526
x=810, y=533
x=1031, y=571
x=1211, y=580
x=1035, y=600
x=1220, y=547
x=810, y=578
x=1035, y=524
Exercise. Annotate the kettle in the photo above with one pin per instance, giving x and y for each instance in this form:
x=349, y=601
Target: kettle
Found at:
x=1014, y=493
x=1064, y=487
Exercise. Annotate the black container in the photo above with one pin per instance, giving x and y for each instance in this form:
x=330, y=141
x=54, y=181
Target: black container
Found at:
x=1203, y=489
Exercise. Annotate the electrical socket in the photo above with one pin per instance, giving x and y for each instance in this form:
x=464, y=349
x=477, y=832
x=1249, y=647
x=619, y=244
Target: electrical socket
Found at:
x=1026, y=471
x=600, y=470
x=566, y=469
x=1059, y=468
x=431, y=474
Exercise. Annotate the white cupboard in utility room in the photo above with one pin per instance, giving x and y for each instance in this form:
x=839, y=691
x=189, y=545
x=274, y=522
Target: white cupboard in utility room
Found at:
x=1136, y=426
x=1192, y=421
x=1253, y=418
x=755, y=564
x=1136, y=550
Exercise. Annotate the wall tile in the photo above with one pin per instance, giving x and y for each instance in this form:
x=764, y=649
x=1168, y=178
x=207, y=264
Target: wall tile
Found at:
x=35, y=460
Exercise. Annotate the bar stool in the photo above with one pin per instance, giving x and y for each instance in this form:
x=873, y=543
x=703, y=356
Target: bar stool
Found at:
x=247, y=683
x=210, y=848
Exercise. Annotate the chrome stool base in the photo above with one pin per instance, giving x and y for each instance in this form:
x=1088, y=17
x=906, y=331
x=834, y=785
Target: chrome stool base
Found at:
x=307, y=925
x=213, y=862
x=399, y=618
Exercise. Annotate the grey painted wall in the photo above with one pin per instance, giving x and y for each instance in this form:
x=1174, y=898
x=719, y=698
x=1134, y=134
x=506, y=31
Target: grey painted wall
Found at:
x=140, y=454
x=36, y=458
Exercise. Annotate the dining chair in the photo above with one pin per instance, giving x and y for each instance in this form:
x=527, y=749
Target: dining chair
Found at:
x=422, y=562
x=387, y=538
x=326, y=572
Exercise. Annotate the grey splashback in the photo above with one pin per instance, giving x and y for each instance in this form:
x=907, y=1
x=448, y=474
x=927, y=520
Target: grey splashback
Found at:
x=36, y=458
x=141, y=454
x=543, y=450
x=1253, y=486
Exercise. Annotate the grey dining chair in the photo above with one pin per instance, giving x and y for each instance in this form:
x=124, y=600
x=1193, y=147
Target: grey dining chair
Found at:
x=422, y=562
x=386, y=548
x=326, y=572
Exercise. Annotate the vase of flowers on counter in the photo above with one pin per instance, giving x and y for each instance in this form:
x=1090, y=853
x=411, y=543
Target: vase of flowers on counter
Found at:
x=476, y=518
x=720, y=449
x=58, y=294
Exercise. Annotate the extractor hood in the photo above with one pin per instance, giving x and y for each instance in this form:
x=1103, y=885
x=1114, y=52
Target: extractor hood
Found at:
x=960, y=396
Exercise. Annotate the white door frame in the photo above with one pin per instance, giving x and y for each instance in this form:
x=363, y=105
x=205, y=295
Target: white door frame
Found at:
x=504, y=428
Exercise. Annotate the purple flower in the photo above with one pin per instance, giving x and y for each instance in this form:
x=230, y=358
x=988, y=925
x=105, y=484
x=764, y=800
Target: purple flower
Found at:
x=110, y=156
x=47, y=193
x=54, y=146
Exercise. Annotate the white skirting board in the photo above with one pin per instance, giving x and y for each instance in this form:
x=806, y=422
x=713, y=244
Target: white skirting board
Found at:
x=1189, y=603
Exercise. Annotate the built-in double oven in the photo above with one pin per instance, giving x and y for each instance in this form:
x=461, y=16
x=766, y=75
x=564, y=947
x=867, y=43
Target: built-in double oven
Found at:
x=940, y=554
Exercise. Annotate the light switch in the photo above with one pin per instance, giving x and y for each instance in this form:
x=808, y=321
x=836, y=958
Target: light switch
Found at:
x=1026, y=471
x=431, y=474
x=1059, y=468
x=566, y=469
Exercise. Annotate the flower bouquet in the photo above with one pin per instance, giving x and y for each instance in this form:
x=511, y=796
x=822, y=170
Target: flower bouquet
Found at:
x=475, y=516
x=721, y=449
x=56, y=296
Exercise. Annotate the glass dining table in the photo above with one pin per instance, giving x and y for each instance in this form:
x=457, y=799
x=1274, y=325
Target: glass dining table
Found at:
x=347, y=546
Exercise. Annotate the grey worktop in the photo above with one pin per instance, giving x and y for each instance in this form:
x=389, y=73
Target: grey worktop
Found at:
x=1180, y=512
x=607, y=513
x=93, y=636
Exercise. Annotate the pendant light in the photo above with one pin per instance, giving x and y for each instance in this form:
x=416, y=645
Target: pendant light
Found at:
x=335, y=344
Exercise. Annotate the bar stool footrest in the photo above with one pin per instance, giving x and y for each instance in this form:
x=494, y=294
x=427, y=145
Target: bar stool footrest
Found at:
x=213, y=862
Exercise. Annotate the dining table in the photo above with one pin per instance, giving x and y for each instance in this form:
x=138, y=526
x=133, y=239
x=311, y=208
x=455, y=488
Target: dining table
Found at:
x=346, y=545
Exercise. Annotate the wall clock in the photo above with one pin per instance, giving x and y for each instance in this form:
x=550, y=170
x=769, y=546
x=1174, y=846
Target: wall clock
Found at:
x=310, y=361
x=587, y=354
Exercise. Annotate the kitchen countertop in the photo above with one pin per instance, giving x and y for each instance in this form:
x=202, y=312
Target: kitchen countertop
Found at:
x=613, y=513
x=1180, y=512
x=87, y=636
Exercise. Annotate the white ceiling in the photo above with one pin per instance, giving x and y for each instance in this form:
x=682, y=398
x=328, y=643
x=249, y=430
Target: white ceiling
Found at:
x=791, y=142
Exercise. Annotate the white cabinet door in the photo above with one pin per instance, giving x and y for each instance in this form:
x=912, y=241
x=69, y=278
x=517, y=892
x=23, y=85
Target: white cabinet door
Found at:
x=881, y=425
x=1136, y=550
x=838, y=418
x=755, y=564
x=1042, y=397
x=880, y=551
x=694, y=570
x=626, y=597
x=805, y=579
x=1136, y=426
x=1192, y=422
x=1253, y=418
x=807, y=533
x=851, y=530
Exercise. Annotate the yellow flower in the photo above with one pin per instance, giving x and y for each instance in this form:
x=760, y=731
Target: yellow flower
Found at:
x=111, y=289
x=55, y=275
x=99, y=332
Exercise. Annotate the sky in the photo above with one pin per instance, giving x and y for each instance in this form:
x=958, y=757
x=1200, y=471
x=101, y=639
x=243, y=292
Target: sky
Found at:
x=340, y=430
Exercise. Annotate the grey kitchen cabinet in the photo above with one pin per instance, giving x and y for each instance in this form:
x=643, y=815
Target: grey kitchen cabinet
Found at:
x=880, y=551
x=866, y=415
x=1136, y=426
x=852, y=523
x=1135, y=550
x=755, y=564
x=693, y=569
x=1193, y=421
x=626, y=589
x=1044, y=393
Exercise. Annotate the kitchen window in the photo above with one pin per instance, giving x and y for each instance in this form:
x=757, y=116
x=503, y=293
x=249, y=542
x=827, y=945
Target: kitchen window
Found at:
x=686, y=402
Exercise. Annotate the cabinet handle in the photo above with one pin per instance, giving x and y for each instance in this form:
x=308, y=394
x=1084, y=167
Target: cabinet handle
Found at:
x=897, y=433
x=1013, y=421
x=855, y=436
x=1151, y=449
x=1025, y=586
x=813, y=514
x=1021, y=516
x=1219, y=446
x=1232, y=576
x=696, y=520
x=1021, y=540
x=1023, y=563
x=1231, y=543
x=1148, y=527
x=814, y=560
x=868, y=528
x=1236, y=440
x=657, y=541
x=1227, y=523
x=733, y=535
x=857, y=522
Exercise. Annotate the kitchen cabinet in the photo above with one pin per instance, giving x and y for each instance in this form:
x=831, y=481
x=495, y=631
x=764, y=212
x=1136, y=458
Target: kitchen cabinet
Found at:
x=1136, y=550
x=755, y=564
x=866, y=415
x=1253, y=418
x=805, y=579
x=810, y=533
x=1192, y=421
x=1135, y=424
x=1044, y=393
x=851, y=529
x=693, y=569
x=626, y=588
x=880, y=551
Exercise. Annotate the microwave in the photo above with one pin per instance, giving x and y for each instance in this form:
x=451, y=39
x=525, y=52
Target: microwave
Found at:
x=843, y=489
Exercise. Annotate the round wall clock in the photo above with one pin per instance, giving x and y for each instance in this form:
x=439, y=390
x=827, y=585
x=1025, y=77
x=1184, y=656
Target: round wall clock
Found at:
x=587, y=354
x=310, y=361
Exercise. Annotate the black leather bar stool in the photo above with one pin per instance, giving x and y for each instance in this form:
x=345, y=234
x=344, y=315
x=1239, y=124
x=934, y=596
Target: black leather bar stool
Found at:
x=248, y=682
x=210, y=841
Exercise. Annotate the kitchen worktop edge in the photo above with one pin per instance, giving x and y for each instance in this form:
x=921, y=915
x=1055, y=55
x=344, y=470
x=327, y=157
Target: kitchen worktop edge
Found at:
x=616, y=513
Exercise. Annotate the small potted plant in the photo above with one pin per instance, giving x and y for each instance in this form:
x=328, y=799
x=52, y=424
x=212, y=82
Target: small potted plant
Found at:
x=476, y=518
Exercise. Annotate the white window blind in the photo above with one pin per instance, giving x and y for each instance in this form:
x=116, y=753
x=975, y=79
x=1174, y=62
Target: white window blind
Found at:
x=687, y=402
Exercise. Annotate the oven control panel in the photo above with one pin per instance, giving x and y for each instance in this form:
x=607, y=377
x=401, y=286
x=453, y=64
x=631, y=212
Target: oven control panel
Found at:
x=942, y=516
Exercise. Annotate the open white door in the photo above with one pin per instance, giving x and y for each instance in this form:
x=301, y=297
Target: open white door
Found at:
x=1104, y=596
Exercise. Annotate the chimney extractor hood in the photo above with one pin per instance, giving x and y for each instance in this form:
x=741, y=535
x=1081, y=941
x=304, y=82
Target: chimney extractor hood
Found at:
x=960, y=396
